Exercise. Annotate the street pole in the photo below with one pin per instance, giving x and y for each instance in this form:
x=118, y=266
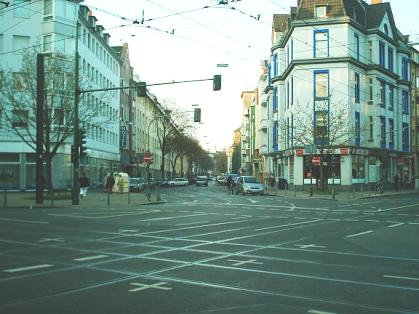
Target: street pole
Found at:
x=40, y=86
x=76, y=164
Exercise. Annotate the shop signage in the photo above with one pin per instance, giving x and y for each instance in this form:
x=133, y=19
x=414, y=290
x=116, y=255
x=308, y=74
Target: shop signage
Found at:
x=400, y=161
x=344, y=151
x=299, y=152
x=316, y=160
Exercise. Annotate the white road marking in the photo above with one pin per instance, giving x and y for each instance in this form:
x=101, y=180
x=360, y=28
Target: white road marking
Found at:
x=304, y=246
x=142, y=286
x=239, y=263
x=287, y=225
x=51, y=240
x=26, y=221
x=192, y=223
x=358, y=234
x=103, y=217
x=252, y=201
x=89, y=258
x=371, y=220
x=401, y=277
x=128, y=230
x=173, y=217
x=399, y=207
x=396, y=225
x=319, y=312
x=15, y=270
x=413, y=223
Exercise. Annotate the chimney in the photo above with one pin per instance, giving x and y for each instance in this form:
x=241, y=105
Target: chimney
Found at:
x=376, y=1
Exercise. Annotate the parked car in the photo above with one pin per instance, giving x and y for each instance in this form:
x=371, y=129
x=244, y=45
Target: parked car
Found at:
x=179, y=182
x=164, y=183
x=201, y=180
x=135, y=185
x=249, y=185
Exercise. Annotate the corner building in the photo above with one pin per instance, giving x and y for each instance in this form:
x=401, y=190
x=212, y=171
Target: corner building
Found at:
x=339, y=89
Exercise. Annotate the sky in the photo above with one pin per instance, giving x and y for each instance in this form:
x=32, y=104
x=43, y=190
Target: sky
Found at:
x=187, y=40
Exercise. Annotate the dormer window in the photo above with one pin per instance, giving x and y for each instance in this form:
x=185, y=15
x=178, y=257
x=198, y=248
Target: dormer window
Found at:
x=321, y=11
x=386, y=29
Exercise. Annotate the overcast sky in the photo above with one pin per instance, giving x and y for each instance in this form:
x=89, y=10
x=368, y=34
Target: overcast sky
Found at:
x=186, y=39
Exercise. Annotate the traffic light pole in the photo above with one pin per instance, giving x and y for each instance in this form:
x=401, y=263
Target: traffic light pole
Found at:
x=76, y=163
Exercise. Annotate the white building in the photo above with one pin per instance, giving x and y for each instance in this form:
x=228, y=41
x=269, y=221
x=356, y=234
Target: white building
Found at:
x=339, y=80
x=51, y=26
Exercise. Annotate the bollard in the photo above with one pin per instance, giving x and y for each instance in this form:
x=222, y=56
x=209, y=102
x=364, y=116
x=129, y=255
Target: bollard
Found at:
x=129, y=196
x=5, y=199
x=109, y=199
x=52, y=199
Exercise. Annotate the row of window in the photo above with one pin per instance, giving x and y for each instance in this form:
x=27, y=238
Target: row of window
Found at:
x=97, y=78
x=98, y=50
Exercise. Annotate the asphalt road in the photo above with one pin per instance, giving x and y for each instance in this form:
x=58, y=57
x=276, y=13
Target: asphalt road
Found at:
x=205, y=251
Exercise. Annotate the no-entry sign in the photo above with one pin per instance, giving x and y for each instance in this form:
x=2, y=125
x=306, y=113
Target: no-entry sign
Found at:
x=315, y=160
x=148, y=158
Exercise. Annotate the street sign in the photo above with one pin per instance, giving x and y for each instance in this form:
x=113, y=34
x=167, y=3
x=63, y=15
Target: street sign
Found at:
x=316, y=160
x=310, y=149
x=148, y=158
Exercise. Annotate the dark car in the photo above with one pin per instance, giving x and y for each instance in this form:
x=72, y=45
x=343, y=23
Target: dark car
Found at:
x=136, y=184
x=192, y=180
x=201, y=181
x=164, y=183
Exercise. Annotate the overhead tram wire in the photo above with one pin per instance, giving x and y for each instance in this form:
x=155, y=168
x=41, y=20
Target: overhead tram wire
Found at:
x=58, y=40
x=17, y=5
x=206, y=26
x=339, y=45
x=135, y=23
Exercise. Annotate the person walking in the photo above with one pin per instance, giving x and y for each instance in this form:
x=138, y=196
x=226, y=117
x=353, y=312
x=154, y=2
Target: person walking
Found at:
x=84, y=185
x=396, y=182
x=110, y=181
x=120, y=184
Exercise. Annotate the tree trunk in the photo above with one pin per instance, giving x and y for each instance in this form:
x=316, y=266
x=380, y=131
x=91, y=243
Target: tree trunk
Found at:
x=181, y=166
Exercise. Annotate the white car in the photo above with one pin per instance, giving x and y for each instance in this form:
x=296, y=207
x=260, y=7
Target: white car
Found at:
x=249, y=185
x=179, y=182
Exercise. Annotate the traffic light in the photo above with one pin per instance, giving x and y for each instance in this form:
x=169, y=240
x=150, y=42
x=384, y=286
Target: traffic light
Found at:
x=216, y=82
x=74, y=152
x=142, y=89
x=197, y=115
x=82, y=142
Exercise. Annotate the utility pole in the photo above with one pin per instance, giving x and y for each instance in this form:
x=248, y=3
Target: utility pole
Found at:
x=76, y=163
x=40, y=86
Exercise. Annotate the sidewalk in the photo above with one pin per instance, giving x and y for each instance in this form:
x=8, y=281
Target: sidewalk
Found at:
x=339, y=196
x=94, y=199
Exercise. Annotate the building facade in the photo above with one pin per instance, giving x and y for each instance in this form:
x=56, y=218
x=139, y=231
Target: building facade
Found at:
x=50, y=27
x=339, y=89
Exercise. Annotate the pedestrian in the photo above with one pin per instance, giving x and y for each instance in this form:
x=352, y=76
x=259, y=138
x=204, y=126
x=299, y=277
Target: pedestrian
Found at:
x=84, y=185
x=396, y=182
x=229, y=183
x=110, y=181
x=120, y=184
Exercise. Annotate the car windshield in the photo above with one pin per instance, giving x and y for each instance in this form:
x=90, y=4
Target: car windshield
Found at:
x=250, y=179
x=201, y=178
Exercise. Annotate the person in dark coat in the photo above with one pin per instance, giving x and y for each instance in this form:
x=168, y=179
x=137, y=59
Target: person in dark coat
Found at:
x=110, y=181
x=84, y=185
x=396, y=182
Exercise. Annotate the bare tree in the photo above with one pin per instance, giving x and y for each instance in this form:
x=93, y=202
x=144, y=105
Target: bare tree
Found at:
x=327, y=128
x=18, y=96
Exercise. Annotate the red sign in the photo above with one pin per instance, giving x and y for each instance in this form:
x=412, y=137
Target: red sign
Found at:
x=316, y=160
x=344, y=151
x=148, y=158
x=299, y=152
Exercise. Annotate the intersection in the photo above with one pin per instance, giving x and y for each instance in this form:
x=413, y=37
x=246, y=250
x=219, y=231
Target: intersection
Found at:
x=205, y=251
